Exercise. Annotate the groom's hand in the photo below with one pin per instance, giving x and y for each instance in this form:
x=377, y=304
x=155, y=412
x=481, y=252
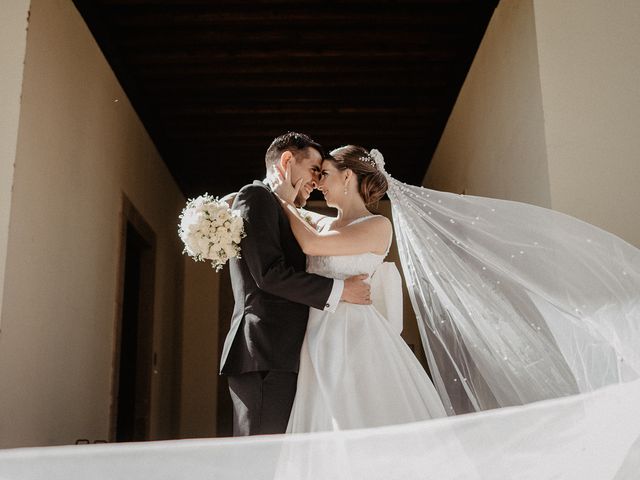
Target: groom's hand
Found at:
x=283, y=186
x=356, y=291
x=229, y=198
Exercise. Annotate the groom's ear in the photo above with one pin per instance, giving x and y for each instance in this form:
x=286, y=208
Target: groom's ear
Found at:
x=285, y=158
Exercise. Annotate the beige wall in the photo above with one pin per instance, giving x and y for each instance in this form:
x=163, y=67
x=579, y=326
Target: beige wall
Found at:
x=80, y=147
x=589, y=54
x=493, y=144
x=549, y=112
x=13, y=42
x=200, y=354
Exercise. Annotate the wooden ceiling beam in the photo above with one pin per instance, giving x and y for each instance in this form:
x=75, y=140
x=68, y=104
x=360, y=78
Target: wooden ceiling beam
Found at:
x=286, y=66
x=205, y=55
x=204, y=148
x=349, y=94
x=278, y=110
x=270, y=132
x=347, y=122
x=194, y=86
x=157, y=38
x=281, y=3
x=373, y=16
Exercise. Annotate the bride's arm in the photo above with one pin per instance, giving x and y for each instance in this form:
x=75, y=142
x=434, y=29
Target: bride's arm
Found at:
x=372, y=235
x=313, y=218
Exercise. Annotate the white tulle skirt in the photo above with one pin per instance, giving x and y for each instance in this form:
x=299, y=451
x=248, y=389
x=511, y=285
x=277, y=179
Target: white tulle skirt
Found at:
x=357, y=372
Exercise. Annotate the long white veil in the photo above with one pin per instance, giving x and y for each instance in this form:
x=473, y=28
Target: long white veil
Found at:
x=515, y=304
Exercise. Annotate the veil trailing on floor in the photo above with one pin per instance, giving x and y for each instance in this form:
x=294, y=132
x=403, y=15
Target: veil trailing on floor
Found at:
x=518, y=307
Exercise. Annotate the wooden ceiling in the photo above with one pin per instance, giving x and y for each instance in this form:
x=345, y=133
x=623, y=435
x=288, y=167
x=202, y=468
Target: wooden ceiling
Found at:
x=215, y=81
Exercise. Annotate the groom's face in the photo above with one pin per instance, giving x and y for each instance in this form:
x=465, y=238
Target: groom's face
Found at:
x=306, y=166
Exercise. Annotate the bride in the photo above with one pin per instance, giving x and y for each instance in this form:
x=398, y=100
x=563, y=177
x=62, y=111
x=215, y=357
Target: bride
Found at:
x=355, y=369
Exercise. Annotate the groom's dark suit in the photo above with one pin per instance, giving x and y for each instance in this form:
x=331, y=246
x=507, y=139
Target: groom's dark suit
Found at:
x=272, y=294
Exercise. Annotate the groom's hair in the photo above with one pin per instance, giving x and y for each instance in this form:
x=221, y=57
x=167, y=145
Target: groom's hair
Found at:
x=292, y=141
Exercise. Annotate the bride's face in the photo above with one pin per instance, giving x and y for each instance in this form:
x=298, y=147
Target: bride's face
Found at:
x=332, y=183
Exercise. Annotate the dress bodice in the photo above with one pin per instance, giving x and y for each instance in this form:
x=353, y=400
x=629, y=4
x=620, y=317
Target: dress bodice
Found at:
x=343, y=266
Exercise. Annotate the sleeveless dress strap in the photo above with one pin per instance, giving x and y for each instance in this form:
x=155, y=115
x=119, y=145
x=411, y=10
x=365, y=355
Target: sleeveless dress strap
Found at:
x=361, y=219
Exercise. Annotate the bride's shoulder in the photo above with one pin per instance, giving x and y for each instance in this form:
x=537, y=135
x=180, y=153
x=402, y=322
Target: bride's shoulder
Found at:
x=375, y=233
x=381, y=219
x=381, y=223
x=375, y=225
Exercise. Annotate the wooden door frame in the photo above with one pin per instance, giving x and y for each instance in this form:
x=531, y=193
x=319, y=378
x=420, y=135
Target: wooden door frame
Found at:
x=130, y=215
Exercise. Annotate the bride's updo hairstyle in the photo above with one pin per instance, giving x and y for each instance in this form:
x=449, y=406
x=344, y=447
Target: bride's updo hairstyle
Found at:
x=372, y=183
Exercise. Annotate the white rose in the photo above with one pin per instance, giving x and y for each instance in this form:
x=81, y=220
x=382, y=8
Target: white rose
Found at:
x=224, y=215
x=229, y=250
x=203, y=244
x=236, y=225
x=191, y=243
x=225, y=237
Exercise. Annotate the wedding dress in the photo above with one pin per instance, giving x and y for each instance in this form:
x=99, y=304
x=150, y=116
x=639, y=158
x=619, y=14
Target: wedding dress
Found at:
x=355, y=369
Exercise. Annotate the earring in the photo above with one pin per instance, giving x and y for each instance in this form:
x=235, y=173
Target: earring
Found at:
x=345, y=188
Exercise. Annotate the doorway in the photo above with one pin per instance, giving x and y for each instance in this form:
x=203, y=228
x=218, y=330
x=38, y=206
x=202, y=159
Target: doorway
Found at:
x=133, y=353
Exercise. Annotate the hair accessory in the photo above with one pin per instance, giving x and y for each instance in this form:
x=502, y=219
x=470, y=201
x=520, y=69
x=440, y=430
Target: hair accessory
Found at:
x=368, y=159
x=374, y=158
x=377, y=158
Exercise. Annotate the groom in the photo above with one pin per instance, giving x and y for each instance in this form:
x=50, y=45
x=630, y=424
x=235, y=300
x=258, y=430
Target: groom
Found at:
x=273, y=293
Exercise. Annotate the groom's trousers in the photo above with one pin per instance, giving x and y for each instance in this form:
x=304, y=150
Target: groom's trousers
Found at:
x=262, y=401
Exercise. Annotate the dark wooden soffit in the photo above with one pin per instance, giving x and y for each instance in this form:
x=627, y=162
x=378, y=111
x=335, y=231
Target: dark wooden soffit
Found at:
x=215, y=81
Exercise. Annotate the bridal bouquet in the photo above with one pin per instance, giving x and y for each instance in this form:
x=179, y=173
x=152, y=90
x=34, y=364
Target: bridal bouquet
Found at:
x=210, y=230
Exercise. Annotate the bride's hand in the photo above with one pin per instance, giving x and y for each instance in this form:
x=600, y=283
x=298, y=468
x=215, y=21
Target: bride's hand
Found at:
x=282, y=185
